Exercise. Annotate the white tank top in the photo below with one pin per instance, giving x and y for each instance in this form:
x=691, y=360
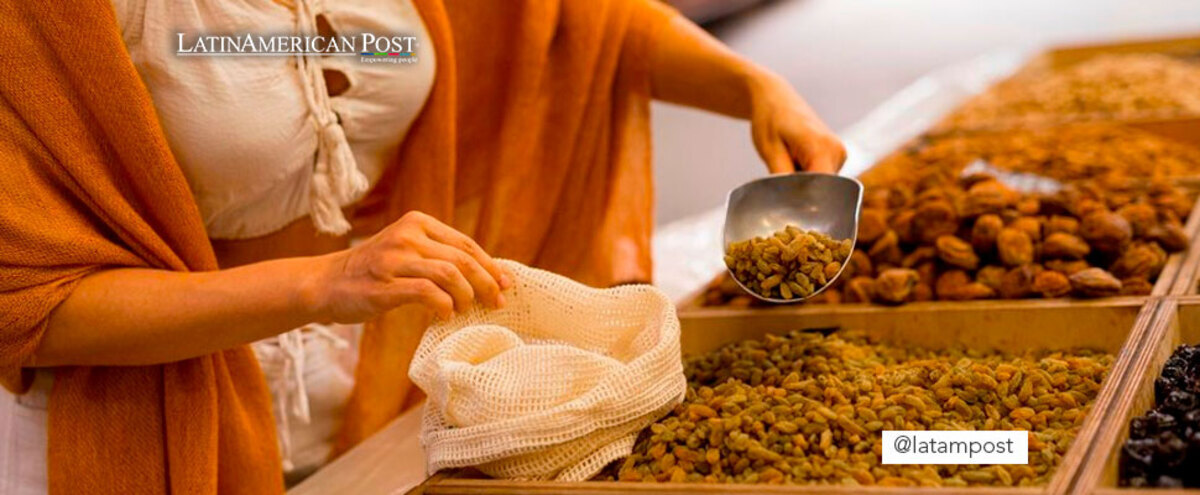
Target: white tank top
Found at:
x=259, y=139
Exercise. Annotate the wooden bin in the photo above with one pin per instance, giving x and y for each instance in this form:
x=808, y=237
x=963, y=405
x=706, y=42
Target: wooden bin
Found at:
x=1116, y=326
x=1177, y=322
x=1059, y=58
x=1179, y=265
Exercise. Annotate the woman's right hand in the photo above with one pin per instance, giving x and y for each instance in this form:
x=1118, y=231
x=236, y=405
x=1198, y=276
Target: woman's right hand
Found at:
x=416, y=260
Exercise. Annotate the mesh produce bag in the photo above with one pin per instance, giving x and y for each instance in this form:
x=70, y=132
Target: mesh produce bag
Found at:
x=554, y=385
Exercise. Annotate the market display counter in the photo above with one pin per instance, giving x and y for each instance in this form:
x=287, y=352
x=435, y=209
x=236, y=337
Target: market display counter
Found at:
x=390, y=462
x=1139, y=333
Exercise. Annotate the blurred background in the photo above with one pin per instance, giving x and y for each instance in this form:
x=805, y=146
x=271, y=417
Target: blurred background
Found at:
x=849, y=56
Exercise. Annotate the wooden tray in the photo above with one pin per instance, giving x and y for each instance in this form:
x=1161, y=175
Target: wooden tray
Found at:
x=1177, y=322
x=1180, y=276
x=1112, y=325
x=1059, y=58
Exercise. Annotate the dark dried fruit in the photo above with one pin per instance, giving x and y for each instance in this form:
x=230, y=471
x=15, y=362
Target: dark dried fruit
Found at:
x=1095, y=282
x=1067, y=267
x=1163, y=448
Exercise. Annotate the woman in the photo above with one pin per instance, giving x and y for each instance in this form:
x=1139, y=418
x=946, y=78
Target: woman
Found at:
x=162, y=212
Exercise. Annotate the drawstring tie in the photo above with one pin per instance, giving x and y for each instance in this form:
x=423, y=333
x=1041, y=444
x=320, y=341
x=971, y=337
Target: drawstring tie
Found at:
x=291, y=393
x=336, y=179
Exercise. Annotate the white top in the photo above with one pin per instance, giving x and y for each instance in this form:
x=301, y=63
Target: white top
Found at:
x=259, y=139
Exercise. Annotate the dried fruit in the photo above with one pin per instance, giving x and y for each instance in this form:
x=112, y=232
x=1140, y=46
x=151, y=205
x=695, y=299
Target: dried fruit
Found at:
x=804, y=408
x=957, y=252
x=1014, y=247
x=1066, y=225
x=1095, y=282
x=872, y=224
x=985, y=231
x=886, y=250
x=1018, y=282
x=1105, y=231
x=934, y=219
x=1050, y=284
x=956, y=285
x=1140, y=260
x=1163, y=444
x=894, y=286
x=991, y=276
x=1108, y=86
x=1064, y=245
x=789, y=264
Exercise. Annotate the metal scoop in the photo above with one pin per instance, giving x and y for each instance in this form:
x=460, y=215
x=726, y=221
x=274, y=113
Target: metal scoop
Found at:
x=825, y=203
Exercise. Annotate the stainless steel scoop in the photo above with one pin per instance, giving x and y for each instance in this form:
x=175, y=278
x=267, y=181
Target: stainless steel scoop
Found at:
x=825, y=203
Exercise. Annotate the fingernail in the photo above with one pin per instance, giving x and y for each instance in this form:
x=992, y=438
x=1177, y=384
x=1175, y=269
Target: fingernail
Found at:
x=500, y=301
x=505, y=281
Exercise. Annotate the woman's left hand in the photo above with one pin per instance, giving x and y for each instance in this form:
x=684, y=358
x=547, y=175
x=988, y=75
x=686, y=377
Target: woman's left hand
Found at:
x=787, y=133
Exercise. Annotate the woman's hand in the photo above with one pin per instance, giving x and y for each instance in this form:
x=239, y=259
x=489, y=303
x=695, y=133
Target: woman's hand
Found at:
x=787, y=133
x=690, y=67
x=417, y=260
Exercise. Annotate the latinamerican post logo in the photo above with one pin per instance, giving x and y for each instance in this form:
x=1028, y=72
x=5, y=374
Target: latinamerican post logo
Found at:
x=370, y=47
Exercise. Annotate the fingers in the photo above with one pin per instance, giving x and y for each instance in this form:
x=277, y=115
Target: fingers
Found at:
x=421, y=291
x=444, y=234
x=484, y=285
x=817, y=153
x=445, y=275
x=776, y=156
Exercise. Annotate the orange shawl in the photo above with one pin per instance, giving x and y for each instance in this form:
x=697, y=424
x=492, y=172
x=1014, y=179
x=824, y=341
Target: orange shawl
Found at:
x=534, y=140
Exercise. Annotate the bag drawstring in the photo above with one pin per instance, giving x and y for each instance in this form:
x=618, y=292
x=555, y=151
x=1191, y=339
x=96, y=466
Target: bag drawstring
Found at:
x=286, y=355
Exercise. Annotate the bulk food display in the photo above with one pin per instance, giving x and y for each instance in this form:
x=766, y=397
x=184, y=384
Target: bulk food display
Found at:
x=1108, y=87
x=808, y=408
x=1073, y=180
x=1163, y=448
x=1087, y=210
